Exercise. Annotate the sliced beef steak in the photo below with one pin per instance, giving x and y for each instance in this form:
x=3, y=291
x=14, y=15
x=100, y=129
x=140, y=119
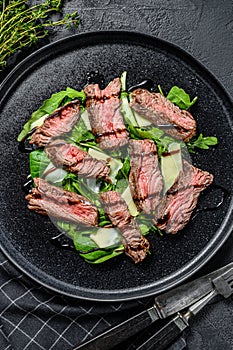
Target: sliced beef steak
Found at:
x=60, y=122
x=145, y=179
x=160, y=111
x=77, y=161
x=175, y=209
x=104, y=110
x=135, y=244
x=65, y=205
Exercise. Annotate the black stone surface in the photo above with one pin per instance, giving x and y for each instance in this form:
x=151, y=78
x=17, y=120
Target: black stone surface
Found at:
x=205, y=29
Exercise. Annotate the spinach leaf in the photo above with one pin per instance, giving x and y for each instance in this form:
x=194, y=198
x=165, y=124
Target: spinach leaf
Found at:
x=121, y=185
x=201, y=142
x=86, y=247
x=82, y=240
x=180, y=98
x=93, y=254
x=80, y=133
x=49, y=106
x=77, y=184
x=146, y=225
x=102, y=256
x=38, y=163
x=123, y=176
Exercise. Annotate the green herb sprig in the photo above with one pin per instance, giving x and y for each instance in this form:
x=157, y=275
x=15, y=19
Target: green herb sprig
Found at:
x=203, y=142
x=22, y=26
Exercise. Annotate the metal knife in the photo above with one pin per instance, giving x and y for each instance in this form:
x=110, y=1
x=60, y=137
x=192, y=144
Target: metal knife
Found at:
x=165, y=305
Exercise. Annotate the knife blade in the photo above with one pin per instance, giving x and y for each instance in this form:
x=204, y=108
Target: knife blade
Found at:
x=165, y=305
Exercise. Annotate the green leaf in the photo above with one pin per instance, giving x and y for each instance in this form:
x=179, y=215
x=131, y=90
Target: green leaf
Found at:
x=82, y=240
x=84, y=243
x=72, y=93
x=105, y=257
x=80, y=133
x=180, y=98
x=126, y=167
x=139, y=133
x=38, y=163
x=76, y=184
x=50, y=105
x=121, y=185
x=157, y=135
x=201, y=142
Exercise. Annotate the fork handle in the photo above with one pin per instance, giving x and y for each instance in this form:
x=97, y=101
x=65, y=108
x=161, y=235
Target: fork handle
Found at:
x=166, y=335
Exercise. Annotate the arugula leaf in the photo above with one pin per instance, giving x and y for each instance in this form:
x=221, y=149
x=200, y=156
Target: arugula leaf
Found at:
x=49, y=106
x=126, y=168
x=201, y=142
x=38, y=162
x=103, y=219
x=152, y=133
x=180, y=98
x=157, y=135
x=106, y=186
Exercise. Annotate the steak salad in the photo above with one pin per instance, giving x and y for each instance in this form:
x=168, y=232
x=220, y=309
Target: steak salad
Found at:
x=112, y=166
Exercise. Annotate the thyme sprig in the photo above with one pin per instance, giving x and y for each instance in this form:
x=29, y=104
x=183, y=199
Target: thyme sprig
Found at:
x=22, y=26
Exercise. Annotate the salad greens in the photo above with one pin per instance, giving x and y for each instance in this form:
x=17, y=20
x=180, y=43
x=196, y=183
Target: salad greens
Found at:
x=85, y=239
x=38, y=161
x=180, y=98
x=201, y=142
x=86, y=246
x=153, y=133
x=48, y=107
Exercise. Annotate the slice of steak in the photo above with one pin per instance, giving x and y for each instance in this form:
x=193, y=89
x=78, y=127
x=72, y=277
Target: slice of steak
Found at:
x=60, y=204
x=60, y=122
x=175, y=209
x=106, y=119
x=145, y=179
x=135, y=245
x=160, y=111
x=77, y=161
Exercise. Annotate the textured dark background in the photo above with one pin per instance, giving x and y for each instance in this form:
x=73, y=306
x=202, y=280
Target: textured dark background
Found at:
x=204, y=29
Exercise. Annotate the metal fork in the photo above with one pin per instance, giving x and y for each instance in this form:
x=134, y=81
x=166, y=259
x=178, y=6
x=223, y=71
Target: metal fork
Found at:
x=222, y=285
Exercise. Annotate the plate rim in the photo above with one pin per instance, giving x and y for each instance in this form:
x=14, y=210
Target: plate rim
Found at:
x=187, y=270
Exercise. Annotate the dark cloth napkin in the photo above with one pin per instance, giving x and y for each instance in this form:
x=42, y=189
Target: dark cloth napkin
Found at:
x=33, y=317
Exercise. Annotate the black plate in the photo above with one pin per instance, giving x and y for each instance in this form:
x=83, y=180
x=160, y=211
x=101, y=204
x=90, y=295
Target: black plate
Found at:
x=25, y=235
